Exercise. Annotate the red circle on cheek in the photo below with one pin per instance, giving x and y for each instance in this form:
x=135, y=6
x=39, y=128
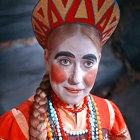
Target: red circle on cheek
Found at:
x=58, y=75
x=90, y=77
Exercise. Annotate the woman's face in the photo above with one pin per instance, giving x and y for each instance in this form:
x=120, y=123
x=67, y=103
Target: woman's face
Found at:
x=73, y=66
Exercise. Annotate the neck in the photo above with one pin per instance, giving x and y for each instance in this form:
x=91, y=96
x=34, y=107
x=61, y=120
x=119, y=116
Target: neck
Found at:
x=76, y=105
x=74, y=108
x=55, y=97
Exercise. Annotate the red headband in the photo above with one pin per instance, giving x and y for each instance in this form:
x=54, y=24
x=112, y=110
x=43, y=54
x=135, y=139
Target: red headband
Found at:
x=49, y=14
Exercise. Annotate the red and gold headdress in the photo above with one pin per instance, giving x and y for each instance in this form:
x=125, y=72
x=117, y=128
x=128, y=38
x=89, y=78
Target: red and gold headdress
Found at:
x=49, y=14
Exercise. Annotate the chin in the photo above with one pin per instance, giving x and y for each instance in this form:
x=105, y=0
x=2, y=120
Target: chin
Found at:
x=73, y=100
x=72, y=103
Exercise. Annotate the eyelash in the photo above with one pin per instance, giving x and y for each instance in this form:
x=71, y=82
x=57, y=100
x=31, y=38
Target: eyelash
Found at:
x=67, y=62
x=89, y=61
x=61, y=61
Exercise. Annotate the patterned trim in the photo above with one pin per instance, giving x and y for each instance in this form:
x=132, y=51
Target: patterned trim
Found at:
x=21, y=121
x=125, y=133
x=112, y=113
x=48, y=14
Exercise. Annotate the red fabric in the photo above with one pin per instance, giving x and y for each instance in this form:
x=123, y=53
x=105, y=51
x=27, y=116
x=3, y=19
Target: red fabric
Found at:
x=26, y=109
x=104, y=112
x=119, y=123
x=9, y=129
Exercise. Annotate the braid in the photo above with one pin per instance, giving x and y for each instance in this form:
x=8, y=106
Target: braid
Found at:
x=38, y=124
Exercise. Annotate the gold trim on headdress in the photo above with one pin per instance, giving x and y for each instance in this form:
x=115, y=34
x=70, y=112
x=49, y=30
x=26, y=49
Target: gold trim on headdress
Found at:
x=48, y=14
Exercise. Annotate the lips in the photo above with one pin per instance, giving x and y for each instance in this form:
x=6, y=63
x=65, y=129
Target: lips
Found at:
x=74, y=91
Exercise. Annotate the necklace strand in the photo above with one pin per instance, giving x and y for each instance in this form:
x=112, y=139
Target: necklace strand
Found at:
x=93, y=121
x=65, y=106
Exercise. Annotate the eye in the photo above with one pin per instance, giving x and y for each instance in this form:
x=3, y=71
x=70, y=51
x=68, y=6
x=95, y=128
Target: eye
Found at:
x=89, y=64
x=65, y=62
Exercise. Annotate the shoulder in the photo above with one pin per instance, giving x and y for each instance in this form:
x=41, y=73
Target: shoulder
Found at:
x=108, y=110
x=15, y=123
x=104, y=110
x=112, y=117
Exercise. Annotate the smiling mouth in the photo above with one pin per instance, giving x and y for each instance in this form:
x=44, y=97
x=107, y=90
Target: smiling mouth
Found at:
x=74, y=91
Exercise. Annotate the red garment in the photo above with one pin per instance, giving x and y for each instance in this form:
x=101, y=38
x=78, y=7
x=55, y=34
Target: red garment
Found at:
x=14, y=125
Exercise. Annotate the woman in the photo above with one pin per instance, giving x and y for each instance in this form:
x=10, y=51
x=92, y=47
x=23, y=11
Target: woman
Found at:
x=63, y=107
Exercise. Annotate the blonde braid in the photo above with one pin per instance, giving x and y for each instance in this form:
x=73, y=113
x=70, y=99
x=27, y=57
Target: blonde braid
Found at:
x=38, y=124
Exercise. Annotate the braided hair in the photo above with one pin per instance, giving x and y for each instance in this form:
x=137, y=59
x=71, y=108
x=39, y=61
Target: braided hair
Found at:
x=38, y=124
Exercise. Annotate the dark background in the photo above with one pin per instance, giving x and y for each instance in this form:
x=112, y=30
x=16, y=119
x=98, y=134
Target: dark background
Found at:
x=22, y=62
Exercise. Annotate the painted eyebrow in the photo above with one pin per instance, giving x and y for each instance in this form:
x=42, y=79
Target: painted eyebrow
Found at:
x=64, y=53
x=90, y=56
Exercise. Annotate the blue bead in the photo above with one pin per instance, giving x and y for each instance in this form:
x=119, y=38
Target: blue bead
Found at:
x=51, y=107
x=50, y=103
x=58, y=130
x=58, y=127
x=60, y=138
x=77, y=133
x=57, y=123
x=74, y=133
x=55, y=115
x=59, y=134
x=92, y=125
x=52, y=115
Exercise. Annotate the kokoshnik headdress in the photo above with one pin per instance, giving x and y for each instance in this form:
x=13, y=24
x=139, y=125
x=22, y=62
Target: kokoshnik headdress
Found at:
x=49, y=14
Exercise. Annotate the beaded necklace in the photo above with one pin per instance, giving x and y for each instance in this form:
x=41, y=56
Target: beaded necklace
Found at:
x=93, y=122
x=65, y=106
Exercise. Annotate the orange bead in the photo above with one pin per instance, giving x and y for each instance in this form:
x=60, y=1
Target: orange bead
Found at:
x=100, y=132
x=51, y=139
x=95, y=104
x=97, y=113
x=47, y=119
x=46, y=116
x=99, y=127
x=98, y=118
x=49, y=129
x=50, y=135
x=100, y=137
x=48, y=124
x=96, y=108
x=99, y=122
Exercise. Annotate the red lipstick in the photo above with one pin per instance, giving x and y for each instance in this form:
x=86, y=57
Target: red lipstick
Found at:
x=73, y=91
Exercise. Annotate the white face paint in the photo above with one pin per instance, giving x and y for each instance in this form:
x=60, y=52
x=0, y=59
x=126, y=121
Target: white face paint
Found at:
x=73, y=66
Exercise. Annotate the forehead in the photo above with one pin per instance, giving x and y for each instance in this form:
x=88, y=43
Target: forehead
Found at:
x=77, y=44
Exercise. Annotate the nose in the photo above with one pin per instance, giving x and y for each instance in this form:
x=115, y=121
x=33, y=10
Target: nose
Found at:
x=76, y=75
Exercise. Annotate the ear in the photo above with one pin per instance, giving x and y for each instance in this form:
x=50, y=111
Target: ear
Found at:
x=46, y=55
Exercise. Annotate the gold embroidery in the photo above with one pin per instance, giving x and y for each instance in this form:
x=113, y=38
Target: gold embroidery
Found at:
x=21, y=121
x=100, y=12
x=82, y=10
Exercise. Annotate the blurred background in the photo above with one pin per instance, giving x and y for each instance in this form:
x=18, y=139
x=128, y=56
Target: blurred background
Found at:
x=22, y=60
